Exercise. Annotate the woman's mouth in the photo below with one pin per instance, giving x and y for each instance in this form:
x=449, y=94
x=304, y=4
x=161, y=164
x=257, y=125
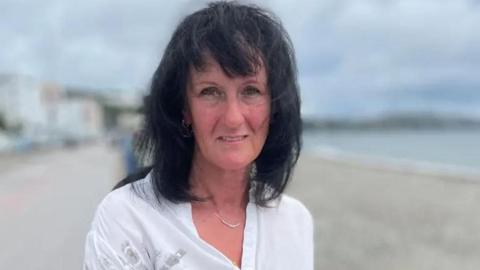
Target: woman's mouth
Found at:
x=232, y=139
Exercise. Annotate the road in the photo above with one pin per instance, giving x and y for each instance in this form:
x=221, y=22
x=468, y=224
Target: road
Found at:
x=47, y=200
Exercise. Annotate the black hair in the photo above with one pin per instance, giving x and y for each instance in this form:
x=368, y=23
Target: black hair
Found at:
x=240, y=38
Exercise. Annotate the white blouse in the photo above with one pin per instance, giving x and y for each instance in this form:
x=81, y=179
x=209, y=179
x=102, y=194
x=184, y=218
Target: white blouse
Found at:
x=132, y=232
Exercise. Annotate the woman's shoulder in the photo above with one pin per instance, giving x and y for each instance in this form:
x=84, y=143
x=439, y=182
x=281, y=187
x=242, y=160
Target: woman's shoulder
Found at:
x=126, y=205
x=117, y=201
x=122, y=197
x=288, y=209
x=287, y=226
x=289, y=203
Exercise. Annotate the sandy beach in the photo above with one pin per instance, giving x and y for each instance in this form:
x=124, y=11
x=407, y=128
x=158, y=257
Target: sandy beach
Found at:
x=377, y=217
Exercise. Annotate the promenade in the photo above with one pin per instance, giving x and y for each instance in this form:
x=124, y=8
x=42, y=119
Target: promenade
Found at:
x=47, y=200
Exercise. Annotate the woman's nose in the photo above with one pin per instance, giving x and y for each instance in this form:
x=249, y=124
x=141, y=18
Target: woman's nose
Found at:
x=233, y=114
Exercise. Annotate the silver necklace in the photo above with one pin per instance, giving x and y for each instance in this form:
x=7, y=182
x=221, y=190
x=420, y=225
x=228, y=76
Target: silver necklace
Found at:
x=226, y=223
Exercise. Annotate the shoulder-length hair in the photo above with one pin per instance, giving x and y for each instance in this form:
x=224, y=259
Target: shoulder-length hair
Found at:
x=240, y=38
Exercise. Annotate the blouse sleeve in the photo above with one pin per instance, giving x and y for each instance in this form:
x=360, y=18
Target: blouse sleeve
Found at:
x=114, y=244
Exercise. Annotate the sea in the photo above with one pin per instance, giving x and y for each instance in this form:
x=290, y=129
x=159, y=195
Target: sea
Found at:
x=453, y=151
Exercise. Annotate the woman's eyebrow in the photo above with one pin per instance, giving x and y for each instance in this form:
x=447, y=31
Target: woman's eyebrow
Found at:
x=200, y=82
x=255, y=81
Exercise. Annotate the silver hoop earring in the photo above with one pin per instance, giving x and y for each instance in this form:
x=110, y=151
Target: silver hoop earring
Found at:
x=186, y=129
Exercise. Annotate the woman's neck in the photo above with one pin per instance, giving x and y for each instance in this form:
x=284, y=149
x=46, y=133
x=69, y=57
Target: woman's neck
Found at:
x=225, y=189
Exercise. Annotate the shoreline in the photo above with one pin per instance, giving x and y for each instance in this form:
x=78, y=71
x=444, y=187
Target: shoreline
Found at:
x=400, y=165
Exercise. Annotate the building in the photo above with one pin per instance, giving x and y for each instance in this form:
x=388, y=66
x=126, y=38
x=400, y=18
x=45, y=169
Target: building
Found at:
x=22, y=107
x=42, y=113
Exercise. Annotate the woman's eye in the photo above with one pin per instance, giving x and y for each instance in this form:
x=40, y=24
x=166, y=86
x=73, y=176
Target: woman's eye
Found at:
x=210, y=91
x=251, y=91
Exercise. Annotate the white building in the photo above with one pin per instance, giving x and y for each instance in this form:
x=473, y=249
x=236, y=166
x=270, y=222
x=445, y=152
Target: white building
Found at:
x=22, y=106
x=41, y=112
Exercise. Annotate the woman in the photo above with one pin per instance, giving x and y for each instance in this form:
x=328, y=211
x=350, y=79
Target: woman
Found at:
x=222, y=131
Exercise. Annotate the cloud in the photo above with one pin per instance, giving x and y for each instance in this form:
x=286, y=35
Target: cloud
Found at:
x=99, y=44
x=363, y=50
x=348, y=51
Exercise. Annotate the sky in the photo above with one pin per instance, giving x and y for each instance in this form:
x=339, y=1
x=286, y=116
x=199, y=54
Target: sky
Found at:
x=355, y=57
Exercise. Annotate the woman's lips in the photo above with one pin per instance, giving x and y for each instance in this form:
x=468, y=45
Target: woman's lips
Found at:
x=232, y=139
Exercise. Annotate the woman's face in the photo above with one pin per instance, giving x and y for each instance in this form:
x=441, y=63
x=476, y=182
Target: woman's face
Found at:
x=229, y=116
